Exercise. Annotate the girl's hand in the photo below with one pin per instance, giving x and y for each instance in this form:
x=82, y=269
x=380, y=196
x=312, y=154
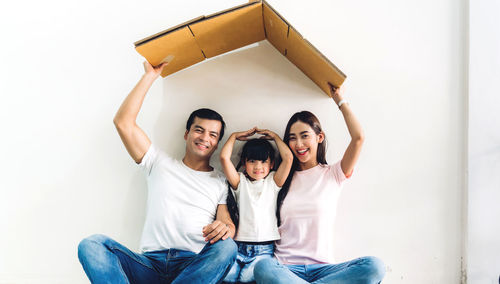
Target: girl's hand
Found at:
x=153, y=71
x=244, y=135
x=336, y=93
x=266, y=134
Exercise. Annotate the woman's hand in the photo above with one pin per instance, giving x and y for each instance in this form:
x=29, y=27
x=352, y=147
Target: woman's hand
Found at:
x=244, y=135
x=153, y=71
x=267, y=134
x=336, y=93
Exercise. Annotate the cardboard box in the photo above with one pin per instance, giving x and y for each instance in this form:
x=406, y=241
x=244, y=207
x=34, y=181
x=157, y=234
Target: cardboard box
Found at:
x=208, y=36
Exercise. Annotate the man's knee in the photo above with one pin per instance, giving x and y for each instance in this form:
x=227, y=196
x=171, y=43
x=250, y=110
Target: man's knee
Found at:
x=375, y=267
x=90, y=244
x=226, y=249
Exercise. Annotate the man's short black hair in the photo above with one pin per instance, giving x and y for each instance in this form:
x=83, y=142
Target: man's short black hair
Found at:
x=206, y=113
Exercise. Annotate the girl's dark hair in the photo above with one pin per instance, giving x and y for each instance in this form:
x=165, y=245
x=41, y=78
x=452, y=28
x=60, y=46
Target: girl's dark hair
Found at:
x=311, y=120
x=254, y=149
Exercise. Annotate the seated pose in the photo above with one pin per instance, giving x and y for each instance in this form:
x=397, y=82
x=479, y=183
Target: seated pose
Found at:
x=307, y=205
x=187, y=232
x=253, y=205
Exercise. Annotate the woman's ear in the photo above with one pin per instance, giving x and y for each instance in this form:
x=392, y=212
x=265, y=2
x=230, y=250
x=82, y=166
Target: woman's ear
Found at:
x=321, y=137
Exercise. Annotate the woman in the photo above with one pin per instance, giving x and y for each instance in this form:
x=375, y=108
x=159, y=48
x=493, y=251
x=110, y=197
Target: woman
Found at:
x=307, y=205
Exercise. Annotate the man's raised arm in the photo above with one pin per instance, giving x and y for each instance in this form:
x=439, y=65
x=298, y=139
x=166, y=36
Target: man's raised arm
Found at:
x=135, y=140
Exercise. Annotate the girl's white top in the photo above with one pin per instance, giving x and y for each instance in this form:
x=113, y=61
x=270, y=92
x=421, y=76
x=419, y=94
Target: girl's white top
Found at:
x=257, y=208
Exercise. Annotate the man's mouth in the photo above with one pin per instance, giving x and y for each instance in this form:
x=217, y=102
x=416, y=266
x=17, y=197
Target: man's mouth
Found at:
x=201, y=146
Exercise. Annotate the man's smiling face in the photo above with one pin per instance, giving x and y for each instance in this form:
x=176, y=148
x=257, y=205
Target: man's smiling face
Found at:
x=203, y=137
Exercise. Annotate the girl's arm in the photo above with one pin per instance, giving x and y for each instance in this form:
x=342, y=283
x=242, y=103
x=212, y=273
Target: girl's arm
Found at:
x=353, y=151
x=285, y=153
x=232, y=175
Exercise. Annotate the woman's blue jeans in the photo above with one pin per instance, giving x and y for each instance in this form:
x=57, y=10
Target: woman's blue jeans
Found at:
x=107, y=261
x=365, y=270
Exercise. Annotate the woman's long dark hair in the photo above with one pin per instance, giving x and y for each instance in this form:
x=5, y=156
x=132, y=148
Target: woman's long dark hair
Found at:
x=254, y=149
x=311, y=120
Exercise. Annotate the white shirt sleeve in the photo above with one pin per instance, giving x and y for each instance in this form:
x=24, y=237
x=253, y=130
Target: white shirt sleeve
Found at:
x=223, y=198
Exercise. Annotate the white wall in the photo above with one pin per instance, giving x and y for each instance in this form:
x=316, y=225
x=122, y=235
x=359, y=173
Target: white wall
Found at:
x=67, y=65
x=484, y=143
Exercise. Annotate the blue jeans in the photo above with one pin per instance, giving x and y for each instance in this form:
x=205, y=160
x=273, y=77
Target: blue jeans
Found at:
x=248, y=256
x=106, y=261
x=364, y=270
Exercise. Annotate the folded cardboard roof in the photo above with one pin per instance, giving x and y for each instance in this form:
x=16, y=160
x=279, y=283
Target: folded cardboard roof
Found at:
x=208, y=36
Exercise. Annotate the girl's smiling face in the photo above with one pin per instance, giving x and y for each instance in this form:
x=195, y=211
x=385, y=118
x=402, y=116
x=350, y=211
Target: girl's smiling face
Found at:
x=257, y=169
x=303, y=142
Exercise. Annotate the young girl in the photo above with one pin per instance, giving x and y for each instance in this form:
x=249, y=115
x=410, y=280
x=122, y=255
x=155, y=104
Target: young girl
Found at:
x=255, y=192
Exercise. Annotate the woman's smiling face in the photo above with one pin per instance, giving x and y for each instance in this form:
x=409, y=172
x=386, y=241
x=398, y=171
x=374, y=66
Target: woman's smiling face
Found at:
x=303, y=142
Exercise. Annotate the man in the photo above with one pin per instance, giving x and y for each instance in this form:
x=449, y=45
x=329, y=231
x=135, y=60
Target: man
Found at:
x=187, y=232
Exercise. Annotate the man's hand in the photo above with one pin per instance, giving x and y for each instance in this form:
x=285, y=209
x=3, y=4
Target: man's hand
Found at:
x=153, y=71
x=216, y=231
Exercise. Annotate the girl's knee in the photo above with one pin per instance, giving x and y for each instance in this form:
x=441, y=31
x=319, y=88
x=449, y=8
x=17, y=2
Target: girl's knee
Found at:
x=263, y=268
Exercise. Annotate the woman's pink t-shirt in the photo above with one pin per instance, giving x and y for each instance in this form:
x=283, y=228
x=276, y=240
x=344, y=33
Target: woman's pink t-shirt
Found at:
x=308, y=216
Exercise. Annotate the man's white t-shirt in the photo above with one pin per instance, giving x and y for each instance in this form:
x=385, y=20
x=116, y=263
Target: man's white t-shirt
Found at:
x=181, y=201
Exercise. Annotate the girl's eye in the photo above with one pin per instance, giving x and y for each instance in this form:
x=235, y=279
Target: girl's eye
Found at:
x=305, y=136
x=291, y=139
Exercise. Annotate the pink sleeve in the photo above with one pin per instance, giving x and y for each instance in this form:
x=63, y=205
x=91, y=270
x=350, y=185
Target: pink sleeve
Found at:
x=338, y=174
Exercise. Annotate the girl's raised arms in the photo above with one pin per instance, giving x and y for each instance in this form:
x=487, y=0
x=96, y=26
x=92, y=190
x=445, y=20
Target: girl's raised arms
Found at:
x=285, y=153
x=228, y=167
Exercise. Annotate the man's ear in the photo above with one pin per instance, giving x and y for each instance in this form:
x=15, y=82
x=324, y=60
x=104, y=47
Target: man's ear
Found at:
x=321, y=137
x=186, y=134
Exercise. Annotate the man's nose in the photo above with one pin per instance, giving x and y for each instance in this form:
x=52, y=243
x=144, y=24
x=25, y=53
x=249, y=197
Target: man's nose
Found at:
x=205, y=136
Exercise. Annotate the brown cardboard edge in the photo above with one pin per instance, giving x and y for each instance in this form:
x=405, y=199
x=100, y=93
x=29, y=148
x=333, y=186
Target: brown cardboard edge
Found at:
x=167, y=31
x=250, y=3
x=195, y=20
x=264, y=2
x=322, y=55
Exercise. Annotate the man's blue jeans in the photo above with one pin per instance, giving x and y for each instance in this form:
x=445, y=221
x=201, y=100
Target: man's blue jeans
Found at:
x=365, y=270
x=107, y=261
